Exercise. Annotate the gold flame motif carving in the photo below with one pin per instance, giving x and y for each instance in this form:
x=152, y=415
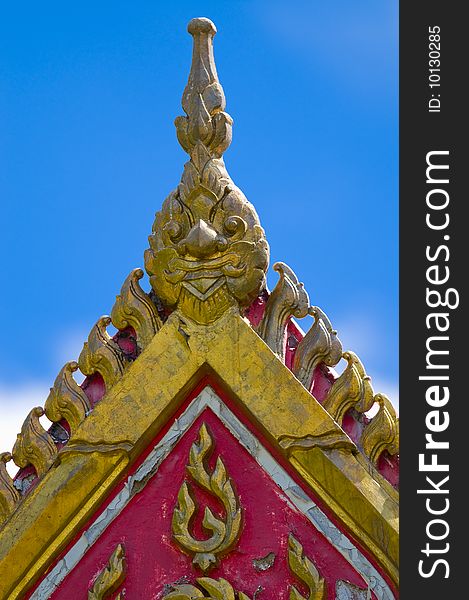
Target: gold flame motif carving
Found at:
x=216, y=589
x=34, y=446
x=101, y=354
x=352, y=389
x=134, y=308
x=111, y=577
x=289, y=298
x=225, y=533
x=382, y=432
x=9, y=495
x=305, y=570
x=66, y=399
x=320, y=344
x=207, y=251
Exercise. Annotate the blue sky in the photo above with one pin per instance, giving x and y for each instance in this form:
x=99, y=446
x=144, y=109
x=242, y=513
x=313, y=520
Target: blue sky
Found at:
x=88, y=152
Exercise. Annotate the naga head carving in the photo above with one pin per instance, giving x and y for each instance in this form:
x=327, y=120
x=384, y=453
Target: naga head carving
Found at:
x=207, y=251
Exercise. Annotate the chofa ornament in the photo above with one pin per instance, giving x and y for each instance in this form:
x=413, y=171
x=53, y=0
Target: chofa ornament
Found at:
x=207, y=251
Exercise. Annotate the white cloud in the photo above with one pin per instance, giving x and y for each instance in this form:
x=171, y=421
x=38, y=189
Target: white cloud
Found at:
x=363, y=335
x=17, y=399
x=67, y=347
x=389, y=388
x=15, y=404
x=358, y=333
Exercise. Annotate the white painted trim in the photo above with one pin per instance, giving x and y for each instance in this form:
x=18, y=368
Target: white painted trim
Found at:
x=136, y=482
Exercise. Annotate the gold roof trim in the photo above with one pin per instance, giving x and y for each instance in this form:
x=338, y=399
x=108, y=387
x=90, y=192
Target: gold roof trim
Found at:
x=138, y=406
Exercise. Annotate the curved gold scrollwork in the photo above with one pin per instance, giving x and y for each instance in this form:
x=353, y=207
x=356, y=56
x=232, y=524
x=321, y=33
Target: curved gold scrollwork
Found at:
x=382, y=432
x=330, y=440
x=134, y=308
x=9, y=495
x=225, y=533
x=217, y=589
x=305, y=570
x=320, y=344
x=34, y=445
x=289, y=298
x=67, y=399
x=352, y=389
x=101, y=354
x=111, y=577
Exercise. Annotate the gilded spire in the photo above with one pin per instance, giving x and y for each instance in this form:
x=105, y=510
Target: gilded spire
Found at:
x=203, y=99
x=208, y=252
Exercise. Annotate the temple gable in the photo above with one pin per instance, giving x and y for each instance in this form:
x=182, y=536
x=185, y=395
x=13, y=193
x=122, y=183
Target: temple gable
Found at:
x=213, y=450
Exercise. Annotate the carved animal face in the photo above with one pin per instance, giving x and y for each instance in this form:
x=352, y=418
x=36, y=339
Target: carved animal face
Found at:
x=207, y=250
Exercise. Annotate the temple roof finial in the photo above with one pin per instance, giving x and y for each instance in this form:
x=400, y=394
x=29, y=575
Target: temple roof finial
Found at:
x=208, y=252
x=203, y=99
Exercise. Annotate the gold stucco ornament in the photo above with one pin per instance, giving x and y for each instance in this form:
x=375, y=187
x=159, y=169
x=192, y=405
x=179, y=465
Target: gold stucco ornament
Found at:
x=67, y=399
x=111, y=577
x=320, y=344
x=34, y=445
x=382, y=432
x=134, y=308
x=101, y=354
x=207, y=251
x=217, y=589
x=352, y=389
x=9, y=495
x=289, y=298
x=225, y=533
x=306, y=572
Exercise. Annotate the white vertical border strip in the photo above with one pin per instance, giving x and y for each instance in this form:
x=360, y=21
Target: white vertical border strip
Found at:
x=136, y=482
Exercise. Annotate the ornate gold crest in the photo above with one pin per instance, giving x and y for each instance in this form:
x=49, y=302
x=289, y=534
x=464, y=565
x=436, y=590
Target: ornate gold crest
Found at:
x=207, y=249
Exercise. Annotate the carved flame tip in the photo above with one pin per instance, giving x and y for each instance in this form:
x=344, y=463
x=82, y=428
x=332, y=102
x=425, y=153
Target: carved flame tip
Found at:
x=201, y=25
x=203, y=98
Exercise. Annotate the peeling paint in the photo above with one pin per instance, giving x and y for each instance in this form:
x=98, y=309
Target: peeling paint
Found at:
x=258, y=591
x=24, y=483
x=265, y=563
x=345, y=590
